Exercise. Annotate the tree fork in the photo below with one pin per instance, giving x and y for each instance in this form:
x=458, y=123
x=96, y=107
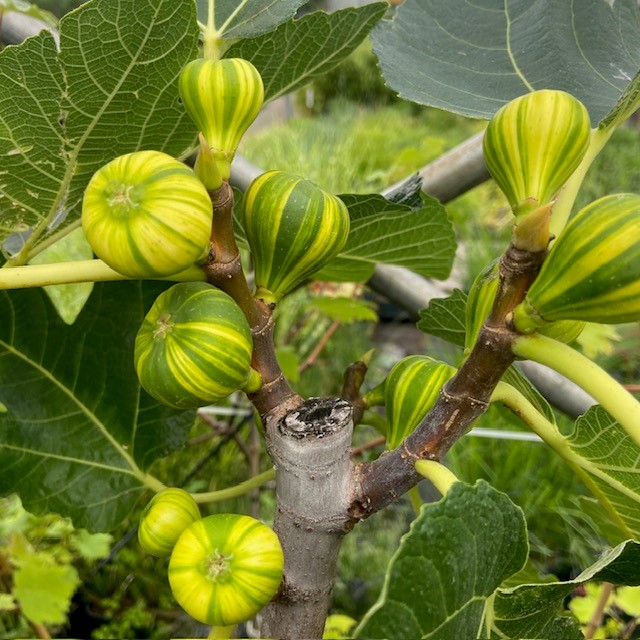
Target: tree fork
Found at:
x=461, y=401
x=310, y=448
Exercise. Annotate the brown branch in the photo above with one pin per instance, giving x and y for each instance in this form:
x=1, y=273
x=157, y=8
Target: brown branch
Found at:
x=596, y=617
x=41, y=630
x=356, y=451
x=224, y=270
x=461, y=401
x=322, y=343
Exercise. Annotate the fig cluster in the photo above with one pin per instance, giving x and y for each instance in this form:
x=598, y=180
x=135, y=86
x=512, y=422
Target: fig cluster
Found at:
x=147, y=215
x=223, y=568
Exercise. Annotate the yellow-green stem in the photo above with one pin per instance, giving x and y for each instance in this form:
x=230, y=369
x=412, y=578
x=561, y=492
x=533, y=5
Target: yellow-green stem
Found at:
x=210, y=35
x=415, y=499
x=221, y=633
x=611, y=395
x=41, y=275
x=567, y=197
x=440, y=476
x=510, y=397
x=238, y=490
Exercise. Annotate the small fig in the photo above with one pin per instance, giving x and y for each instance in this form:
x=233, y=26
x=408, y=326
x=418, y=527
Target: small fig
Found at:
x=479, y=303
x=225, y=568
x=294, y=228
x=223, y=97
x=194, y=347
x=147, y=215
x=592, y=272
x=533, y=144
x=411, y=389
x=166, y=516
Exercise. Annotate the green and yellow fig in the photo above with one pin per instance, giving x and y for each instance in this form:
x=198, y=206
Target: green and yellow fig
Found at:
x=147, y=215
x=194, y=347
x=294, y=228
x=225, y=568
x=533, y=144
x=223, y=97
x=479, y=303
x=166, y=516
x=592, y=273
x=411, y=389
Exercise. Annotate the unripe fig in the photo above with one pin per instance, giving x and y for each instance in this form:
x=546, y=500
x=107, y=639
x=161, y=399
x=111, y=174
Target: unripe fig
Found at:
x=294, y=228
x=225, y=568
x=592, y=273
x=533, y=144
x=194, y=347
x=223, y=98
x=411, y=389
x=479, y=303
x=166, y=516
x=147, y=215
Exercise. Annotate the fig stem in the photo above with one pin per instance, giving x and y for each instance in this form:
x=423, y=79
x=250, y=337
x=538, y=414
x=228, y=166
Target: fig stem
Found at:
x=440, y=476
x=41, y=275
x=611, y=395
x=567, y=195
x=512, y=399
x=224, y=270
x=237, y=490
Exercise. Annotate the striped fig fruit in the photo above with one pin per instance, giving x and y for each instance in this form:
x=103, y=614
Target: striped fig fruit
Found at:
x=194, y=347
x=223, y=97
x=294, y=228
x=479, y=303
x=533, y=144
x=225, y=568
x=147, y=215
x=592, y=273
x=166, y=516
x=411, y=389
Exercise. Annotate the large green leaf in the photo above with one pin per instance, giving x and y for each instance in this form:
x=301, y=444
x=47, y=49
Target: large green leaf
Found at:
x=472, y=57
x=531, y=610
x=78, y=432
x=246, y=18
x=385, y=232
x=444, y=317
x=444, y=580
x=112, y=89
x=610, y=457
x=311, y=46
x=451, y=562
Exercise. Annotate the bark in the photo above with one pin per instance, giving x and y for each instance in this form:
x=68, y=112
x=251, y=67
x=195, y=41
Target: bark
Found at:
x=310, y=449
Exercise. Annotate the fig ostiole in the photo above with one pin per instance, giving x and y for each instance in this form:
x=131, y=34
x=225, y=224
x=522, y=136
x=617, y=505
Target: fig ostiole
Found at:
x=223, y=97
x=147, y=215
x=225, y=568
x=164, y=518
x=194, y=347
x=294, y=228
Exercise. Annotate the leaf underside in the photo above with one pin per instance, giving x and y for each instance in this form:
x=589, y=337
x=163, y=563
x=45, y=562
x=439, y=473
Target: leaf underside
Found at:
x=473, y=57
